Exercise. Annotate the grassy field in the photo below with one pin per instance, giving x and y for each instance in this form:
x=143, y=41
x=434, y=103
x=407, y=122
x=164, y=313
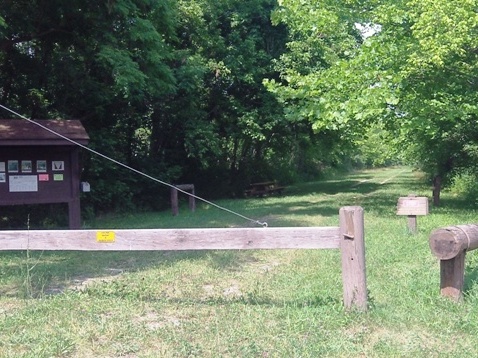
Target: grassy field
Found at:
x=276, y=303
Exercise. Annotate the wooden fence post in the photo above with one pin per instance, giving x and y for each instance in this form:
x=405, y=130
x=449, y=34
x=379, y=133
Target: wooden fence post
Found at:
x=174, y=201
x=452, y=277
x=450, y=245
x=192, y=199
x=352, y=247
x=174, y=197
x=412, y=219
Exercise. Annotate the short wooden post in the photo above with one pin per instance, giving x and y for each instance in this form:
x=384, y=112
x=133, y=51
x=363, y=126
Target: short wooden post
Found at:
x=412, y=219
x=174, y=201
x=452, y=277
x=450, y=245
x=174, y=197
x=412, y=224
x=74, y=214
x=352, y=247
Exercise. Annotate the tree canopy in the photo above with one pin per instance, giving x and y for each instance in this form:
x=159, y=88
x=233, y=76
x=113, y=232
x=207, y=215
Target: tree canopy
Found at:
x=173, y=88
x=227, y=92
x=408, y=66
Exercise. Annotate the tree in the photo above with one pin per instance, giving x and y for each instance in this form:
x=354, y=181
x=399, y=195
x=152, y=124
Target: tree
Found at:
x=226, y=122
x=322, y=35
x=415, y=72
x=172, y=88
x=102, y=63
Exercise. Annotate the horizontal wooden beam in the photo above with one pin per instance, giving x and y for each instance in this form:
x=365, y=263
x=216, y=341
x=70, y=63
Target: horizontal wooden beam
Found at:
x=172, y=239
x=447, y=243
x=450, y=245
x=349, y=238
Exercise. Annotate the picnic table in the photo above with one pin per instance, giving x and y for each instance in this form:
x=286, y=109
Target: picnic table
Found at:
x=264, y=189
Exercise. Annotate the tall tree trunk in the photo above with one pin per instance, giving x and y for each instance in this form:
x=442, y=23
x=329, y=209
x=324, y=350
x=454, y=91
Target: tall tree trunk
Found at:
x=436, y=190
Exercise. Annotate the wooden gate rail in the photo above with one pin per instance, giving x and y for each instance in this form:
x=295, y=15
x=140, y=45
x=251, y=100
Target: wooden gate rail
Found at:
x=348, y=237
x=450, y=245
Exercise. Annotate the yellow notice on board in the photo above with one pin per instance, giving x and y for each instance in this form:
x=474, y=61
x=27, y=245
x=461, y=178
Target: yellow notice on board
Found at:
x=105, y=236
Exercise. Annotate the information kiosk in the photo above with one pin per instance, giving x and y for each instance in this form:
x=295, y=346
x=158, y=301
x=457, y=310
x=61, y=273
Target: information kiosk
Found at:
x=40, y=167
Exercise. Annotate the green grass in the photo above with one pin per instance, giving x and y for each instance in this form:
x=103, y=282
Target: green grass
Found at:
x=271, y=303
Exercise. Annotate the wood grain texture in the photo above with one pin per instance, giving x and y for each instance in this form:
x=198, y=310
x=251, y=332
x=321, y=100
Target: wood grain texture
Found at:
x=452, y=277
x=412, y=206
x=450, y=245
x=174, y=239
x=352, y=246
x=447, y=243
x=349, y=238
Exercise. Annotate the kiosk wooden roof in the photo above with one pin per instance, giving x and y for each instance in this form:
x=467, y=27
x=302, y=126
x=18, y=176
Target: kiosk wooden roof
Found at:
x=16, y=132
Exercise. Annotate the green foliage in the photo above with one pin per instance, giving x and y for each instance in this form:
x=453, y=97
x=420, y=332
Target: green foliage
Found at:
x=378, y=148
x=413, y=75
x=464, y=186
x=175, y=89
x=105, y=64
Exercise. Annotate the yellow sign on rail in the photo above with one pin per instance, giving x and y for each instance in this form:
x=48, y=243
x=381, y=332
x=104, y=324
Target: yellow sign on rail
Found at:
x=105, y=236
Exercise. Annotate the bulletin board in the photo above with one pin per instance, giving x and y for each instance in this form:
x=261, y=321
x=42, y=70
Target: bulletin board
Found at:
x=39, y=167
x=35, y=175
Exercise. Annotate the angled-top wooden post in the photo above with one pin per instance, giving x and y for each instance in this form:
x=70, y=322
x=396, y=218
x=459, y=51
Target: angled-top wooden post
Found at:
x=352, y=247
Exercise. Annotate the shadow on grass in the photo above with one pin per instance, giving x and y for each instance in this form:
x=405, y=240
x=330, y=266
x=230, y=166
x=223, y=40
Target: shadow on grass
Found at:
x=251, y=300
x=63, y=269
x=332, y=187
x=50, y=273
x=54, y=273
x=44, y=273
x=456, y=204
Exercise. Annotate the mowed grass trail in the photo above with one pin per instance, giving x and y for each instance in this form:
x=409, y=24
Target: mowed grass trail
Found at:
x=266, y=303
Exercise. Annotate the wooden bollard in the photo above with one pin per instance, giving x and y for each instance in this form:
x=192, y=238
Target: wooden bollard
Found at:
x=450, y=245
x=352, y=247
